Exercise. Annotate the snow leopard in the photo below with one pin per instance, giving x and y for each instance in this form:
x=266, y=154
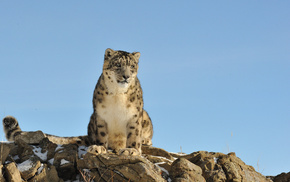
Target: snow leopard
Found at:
x=118, y=121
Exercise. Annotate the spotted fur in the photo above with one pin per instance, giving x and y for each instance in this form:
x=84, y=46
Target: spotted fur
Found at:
x=12, y=129
x=119, y=120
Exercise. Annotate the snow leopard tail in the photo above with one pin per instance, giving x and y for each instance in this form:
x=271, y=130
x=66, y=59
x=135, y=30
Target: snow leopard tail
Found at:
x=12, y=129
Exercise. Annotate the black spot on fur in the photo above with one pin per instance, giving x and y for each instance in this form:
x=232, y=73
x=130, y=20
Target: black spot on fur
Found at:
x=132, y=127
x=103, y=134
x=87, y=142
x=101, y=87
x=132, y=99
x=17, y=133
x=145, y=123
x=16, y=125
x=100, y=126
x=138, y=145
x=129, y=135
x=10, y=132
x=137, y=132
x=123, y=54
x=134, y=144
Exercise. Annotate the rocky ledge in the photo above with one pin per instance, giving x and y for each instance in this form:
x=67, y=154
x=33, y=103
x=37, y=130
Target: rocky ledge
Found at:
x=34, y=158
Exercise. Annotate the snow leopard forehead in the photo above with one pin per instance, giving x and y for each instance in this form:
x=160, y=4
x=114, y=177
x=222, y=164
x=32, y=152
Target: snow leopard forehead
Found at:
x=123, y=58
x=112, y=55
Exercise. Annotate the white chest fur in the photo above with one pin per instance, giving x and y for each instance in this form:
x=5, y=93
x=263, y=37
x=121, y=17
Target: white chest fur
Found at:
x=115, y=112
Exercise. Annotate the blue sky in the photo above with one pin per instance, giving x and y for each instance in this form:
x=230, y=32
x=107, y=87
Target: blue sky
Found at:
x=215, y=74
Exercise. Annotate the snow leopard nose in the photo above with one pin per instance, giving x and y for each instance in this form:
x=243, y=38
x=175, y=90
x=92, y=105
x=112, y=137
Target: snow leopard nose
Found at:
x=126, y=73
x=126, y=77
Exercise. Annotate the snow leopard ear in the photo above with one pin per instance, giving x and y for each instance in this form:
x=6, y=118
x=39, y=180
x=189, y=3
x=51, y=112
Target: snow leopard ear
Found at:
x=108, y=53
x=136, y=55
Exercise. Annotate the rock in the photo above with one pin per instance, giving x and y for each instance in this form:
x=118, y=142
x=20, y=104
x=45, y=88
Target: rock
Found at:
x=104, y=175
x=158, y=159
x=236, y=170
x=216, y=175
x=208, y=163
x=134, y=168
x=140, y=172
x=5, y=150
x=163, y=163
x=1, y=174
x=222, y=167
x=13, y=155
x=89, y=175
x=283, y=177
x=183, y=170
x=28, y=168
x=149, y=150
x=89, y=161
x=52, y=174
x=41, y=174
x=24, y=150
x=31, y=137
x=65, y=160
x=177, y=155
x=12, y=173
x=48, y=146
x=47, y=161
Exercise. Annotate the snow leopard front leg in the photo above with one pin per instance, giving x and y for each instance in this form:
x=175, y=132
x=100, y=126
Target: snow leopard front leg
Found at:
x=134, y=135
x=98, y=135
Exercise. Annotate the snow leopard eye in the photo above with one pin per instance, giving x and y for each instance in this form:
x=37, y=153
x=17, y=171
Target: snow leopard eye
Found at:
x=132, y=66
x=118, y=65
